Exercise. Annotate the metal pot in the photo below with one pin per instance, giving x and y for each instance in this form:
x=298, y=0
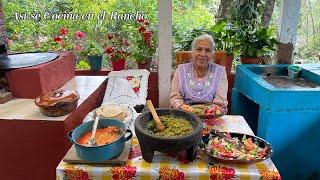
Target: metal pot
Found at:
x=99, y=153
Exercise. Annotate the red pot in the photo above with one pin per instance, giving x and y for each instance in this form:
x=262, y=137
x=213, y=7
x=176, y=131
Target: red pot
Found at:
x=246, y=60
x=118, y=64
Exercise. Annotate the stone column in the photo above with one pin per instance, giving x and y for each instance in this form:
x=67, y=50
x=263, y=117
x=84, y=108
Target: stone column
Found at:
x=165, y=46
x=2, y=31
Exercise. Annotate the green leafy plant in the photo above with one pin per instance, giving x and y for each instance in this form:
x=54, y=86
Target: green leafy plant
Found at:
x=82, y=64
x=224, y=35
x=93, y=49
x=256, y=42
x=187, y=40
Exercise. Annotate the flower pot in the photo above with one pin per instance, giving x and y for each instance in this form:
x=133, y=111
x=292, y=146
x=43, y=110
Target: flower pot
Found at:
x=246, y=60
x=146, y=65
x=118, y=64
x=95, y=62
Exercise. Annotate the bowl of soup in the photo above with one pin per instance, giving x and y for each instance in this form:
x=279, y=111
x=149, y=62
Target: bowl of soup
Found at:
x=111, y=136
x=182, y=132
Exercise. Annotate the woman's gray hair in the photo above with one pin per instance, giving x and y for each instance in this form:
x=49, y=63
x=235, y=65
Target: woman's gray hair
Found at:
x=202, y=38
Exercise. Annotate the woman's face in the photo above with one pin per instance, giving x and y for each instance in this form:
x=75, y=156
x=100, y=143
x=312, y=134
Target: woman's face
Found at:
x=202, y=54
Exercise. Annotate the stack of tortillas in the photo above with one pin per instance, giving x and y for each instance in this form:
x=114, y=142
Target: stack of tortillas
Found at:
x=112, y=111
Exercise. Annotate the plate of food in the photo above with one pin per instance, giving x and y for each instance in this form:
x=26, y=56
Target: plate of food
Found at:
x=205, y=110
x=235, y=148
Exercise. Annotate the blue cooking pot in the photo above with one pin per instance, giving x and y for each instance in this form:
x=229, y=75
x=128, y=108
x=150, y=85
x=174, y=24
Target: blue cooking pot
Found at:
x=99, y=153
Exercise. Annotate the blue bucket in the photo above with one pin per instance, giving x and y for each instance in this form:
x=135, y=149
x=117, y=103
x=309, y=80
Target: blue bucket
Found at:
x=97, y=154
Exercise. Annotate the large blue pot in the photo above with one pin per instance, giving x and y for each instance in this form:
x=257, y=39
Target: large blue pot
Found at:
x=99, y=153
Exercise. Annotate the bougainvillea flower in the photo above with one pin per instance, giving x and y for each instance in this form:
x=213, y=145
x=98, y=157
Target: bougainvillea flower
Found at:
x=63, y=31
x=142, y=29
x=78, y=47
x=80, y=34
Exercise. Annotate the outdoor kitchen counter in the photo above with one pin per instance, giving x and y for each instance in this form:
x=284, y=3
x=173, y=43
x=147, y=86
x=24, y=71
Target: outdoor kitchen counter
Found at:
x=32, y=144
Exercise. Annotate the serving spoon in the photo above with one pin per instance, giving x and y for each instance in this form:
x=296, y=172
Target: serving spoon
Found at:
x=92, y=139
x=155, y=116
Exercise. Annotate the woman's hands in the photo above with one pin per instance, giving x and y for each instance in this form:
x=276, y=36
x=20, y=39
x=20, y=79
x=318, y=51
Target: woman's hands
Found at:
x=205, y=110
x=186, y=107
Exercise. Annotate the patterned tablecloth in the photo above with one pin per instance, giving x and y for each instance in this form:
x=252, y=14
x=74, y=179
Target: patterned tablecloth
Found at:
x=175, y=166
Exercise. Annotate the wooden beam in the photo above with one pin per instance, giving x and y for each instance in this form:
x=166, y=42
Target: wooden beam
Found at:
x=165, y=46
x=287, y=30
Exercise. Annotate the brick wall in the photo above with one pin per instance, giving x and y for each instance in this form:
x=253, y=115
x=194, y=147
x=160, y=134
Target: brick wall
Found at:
x=2, y=29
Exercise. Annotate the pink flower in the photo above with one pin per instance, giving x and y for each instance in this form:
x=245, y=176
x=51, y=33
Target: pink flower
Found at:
x=80, y=34
x=78, y=47
x=63, y=31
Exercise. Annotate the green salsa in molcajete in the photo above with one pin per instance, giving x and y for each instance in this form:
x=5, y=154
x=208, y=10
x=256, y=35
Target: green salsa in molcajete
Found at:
x=174, y=126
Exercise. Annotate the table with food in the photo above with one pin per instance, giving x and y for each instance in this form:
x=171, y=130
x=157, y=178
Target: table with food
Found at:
x=215, y=146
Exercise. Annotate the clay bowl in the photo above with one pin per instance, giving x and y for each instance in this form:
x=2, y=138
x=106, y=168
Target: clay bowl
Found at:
x=150, y=143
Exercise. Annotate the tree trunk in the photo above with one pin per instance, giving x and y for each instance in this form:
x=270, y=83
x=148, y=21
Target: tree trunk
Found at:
x=224, y=10
x=267, y=13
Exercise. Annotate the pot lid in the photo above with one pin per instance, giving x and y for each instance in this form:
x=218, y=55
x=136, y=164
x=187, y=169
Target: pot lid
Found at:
x=25, y=59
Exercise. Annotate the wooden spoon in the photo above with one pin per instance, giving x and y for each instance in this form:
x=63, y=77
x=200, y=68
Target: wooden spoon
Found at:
x=155, y=116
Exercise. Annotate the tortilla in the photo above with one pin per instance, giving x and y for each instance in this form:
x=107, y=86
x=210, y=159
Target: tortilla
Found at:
x=112, y=111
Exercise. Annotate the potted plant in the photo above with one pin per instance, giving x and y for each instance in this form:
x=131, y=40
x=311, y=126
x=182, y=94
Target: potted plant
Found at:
x=226, y=43
x=255, y=43
x=117, y=50
x=145, y=44
x=94, y=52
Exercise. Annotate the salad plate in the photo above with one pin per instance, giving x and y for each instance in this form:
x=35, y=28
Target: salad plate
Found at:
x=205, y=110
x=235, y=148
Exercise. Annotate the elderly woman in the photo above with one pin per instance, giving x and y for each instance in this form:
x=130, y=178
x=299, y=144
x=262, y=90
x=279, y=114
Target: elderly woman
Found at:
x=200, y=81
